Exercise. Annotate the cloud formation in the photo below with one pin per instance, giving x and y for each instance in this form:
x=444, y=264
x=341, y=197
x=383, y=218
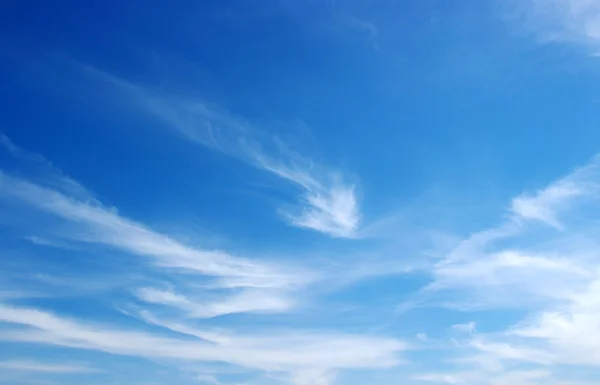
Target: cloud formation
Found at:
x=189, y=284
x=328, y=203
x=104, y=226
x=519, y=296
x=288, y=352
x=549, y=273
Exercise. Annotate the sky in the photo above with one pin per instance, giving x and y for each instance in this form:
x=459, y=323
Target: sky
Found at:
x=302, y=192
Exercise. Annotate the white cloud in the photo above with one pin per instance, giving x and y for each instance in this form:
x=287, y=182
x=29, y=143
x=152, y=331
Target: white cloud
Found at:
x=547, y=203
x=334, y=211
x=509, y=265
x=570, y=331
x=208, y=379
x=515, y=377
x=34, y=366
x=246, y=301
x=465, y=328
x=510, y=352
x=508, y=278
x=312, y=377
x=235, y=285
x=541, y=206
x=327, y=203
x=97, y=224
x=551, y=276
x=42, y=170
x=439, y=378
x=563, y=20
x=288, y=352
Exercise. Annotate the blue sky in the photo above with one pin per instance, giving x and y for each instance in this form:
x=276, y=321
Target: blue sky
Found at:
x=309, y=192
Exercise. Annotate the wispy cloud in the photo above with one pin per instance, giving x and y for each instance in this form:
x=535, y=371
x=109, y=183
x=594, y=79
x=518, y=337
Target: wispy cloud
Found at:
x=188, y=284
x=571, y=331
x=291, y=352
x=104, y=226
x=550, y=273
x=545, y=204
x=40, y=169
x=504, y=266
x=575, y=21
x=328, y=203
x=507, y=265
x=35, y=366
x=517, y=377
x=246, y=301
x=439, y=378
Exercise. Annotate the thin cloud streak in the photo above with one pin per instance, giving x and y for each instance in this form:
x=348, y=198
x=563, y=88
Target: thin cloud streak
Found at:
x=290, y=352
x=327, y=204
x=34, y=366
x=44, y=172
x=247, y=301
x=546, y=204
x=105, y=226
x=238, y=285
x=235, y=284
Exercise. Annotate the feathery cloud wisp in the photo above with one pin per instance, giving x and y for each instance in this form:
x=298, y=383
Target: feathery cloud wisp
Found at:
x=327, y=202
x=33, y=366
x=235, y=285
x=289, y=353
x=545, y=204
x=247, y=301
x=105, y=226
